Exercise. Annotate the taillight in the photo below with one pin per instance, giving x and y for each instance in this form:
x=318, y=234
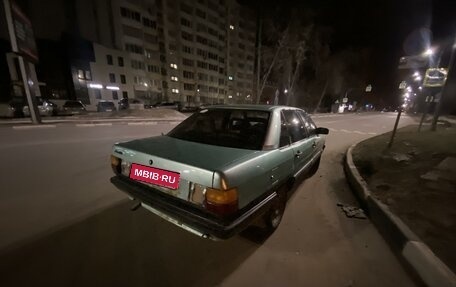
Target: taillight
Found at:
x=116, y=164
x=222, y=201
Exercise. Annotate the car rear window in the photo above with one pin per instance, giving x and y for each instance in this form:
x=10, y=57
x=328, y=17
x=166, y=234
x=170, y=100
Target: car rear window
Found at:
x=245, y=129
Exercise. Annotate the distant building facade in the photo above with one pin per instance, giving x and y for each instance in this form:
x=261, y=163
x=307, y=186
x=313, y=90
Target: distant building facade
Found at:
x=198, y=51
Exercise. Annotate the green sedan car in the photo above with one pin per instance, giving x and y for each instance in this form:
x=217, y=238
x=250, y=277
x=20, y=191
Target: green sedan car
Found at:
x=221, y=168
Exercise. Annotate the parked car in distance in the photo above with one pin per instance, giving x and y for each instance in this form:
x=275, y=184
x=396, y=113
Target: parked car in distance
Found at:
x=222, y=168
x=204, y=106
x=168, y=105
x=45, y=108
x=136, y=104
x=123, y=104
x=190, y=107
x=106, y=106
x=73, y=108
x=7, y=110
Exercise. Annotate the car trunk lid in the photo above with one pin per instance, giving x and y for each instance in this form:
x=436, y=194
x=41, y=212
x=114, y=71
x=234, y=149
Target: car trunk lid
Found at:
x=192, y=164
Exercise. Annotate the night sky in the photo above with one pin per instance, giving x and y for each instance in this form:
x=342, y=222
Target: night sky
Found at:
x=390, y=29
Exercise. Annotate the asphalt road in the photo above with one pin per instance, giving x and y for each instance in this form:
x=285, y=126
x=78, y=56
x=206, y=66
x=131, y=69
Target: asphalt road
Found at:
x=63, y=224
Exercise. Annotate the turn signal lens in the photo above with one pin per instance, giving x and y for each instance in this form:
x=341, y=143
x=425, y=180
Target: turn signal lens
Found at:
x=115, y=164
x=217, y=196
x=222, y=201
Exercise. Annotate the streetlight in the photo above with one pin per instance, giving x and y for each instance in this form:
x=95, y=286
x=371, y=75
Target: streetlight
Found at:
x=428, y=52
x=146, y=85
x=439, y=104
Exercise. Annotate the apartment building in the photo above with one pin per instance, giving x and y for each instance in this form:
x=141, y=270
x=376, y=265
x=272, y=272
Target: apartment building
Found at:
x=189, y=51
x=192, y=51
x=111, y=78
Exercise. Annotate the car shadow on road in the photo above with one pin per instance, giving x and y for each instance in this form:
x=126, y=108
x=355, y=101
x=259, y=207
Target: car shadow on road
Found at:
x=117, y=247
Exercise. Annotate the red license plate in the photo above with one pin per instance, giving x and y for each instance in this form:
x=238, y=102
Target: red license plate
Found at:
x=161, y=177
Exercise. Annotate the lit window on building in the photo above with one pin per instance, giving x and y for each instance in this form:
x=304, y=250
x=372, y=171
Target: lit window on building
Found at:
x=231, y=27
x=174, y=66
x=175, y=91
x=174, y=79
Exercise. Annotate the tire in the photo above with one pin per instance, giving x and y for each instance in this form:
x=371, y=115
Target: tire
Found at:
x=313, y=170
x=274, y=215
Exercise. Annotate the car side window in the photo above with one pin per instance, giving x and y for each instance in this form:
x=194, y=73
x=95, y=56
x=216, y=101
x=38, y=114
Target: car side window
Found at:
x=295, y=125
x=308, y=123
x=312, y=126
x=284, y=134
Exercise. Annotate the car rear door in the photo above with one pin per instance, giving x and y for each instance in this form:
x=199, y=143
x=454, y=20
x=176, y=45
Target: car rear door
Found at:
x=301, y=143
x=317, y=143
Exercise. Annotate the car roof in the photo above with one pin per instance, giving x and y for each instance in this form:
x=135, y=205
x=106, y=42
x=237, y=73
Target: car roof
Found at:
x=252, y=107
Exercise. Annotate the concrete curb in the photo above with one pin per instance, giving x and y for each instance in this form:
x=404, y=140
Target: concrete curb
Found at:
x=431, y=270
x=93, y=123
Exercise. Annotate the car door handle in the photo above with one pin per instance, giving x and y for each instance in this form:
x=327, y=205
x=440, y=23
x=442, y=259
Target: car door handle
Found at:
x=314, y=145
x=298, y=154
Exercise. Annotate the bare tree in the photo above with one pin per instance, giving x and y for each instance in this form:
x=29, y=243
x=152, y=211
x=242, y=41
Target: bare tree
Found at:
x=296, y=58
x=280, y=44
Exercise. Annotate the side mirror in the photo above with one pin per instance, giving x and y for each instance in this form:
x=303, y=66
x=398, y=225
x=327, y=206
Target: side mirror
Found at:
x=321, y=131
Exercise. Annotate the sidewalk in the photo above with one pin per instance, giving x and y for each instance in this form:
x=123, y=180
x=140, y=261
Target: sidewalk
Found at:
x=153, y=115
x=409, y=192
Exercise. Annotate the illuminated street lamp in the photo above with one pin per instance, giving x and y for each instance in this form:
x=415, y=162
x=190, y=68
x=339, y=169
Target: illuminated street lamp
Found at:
x=428, y=52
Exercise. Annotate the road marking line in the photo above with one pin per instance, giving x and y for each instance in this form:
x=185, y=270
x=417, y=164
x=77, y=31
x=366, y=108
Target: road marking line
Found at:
x=372, y=134
x=173, y=123
x=142, y=124
x=33, y=127
x=94, y=125
x=358, y=132
x=345, y=131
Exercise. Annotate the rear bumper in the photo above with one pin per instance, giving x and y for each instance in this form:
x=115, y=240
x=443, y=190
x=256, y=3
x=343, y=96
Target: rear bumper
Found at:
x=191, y=217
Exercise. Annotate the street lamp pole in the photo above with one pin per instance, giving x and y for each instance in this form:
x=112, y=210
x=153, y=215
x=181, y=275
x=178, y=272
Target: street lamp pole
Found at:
x=440, y=103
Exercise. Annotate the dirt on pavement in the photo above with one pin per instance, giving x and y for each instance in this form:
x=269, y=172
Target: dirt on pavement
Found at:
x=416, y=178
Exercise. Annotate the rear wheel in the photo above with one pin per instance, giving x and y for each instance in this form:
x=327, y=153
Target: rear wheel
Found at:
x=274, y=215
x=269, y=221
